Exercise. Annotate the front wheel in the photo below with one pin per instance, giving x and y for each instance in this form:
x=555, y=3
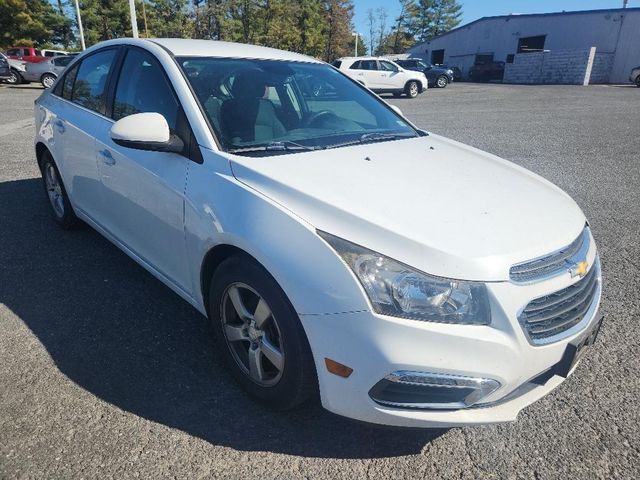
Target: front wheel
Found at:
x=260, y=335
x=15, y=78
x=412, y=89
x=48, y=80
x=442, y=81
x=638, y=81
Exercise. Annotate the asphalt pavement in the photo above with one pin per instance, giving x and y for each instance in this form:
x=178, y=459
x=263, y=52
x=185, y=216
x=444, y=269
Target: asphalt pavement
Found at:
x=105, y=373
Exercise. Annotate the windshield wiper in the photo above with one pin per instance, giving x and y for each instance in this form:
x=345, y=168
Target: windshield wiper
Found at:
x=373, y=137
x=285, y=146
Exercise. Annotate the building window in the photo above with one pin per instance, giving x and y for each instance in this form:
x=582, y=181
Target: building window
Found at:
x=437, y=57
x=482, y=58
x=510, y=58
x=531, y=44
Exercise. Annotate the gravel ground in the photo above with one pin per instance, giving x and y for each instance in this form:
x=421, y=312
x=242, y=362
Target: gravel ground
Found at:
x=105, y=373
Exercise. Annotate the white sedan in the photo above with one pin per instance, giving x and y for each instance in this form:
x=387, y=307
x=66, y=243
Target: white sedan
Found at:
x=340, y=252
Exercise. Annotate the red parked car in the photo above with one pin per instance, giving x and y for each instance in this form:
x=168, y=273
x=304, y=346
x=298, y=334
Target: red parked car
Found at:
x=26, y=54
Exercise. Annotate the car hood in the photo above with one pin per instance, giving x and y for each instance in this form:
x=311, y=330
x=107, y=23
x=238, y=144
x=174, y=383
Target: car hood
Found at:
x=440, y=70
x=440, y=206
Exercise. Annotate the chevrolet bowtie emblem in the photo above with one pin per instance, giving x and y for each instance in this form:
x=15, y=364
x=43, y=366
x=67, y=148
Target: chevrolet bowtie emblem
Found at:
x=579, y=269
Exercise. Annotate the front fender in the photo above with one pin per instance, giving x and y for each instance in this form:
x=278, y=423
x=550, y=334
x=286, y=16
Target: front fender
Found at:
x=221, y=210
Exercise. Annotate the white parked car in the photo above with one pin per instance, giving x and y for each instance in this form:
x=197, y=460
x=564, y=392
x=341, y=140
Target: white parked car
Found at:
x=383, y=76
x=406, y=278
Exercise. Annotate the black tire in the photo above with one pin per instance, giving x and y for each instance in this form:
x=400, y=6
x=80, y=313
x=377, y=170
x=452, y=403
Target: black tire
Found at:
x=48, y=80
x=15, y=79
x=296, y=382
x=61, y=208
x=638, y=81
x=442, y=81
x=397, y=94
x=412, y=89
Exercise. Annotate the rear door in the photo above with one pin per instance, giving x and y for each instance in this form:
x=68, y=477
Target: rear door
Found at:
x=77, y=118
x=144, y=190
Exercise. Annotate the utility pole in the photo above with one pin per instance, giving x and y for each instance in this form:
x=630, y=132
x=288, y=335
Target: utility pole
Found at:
x=356, y=34
x=80, y=26
x=625, y=3
x=134, y=20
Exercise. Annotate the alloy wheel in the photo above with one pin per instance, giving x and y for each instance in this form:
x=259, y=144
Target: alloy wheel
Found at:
x=413, y=89
x=252, y=334
x=54, y=190
x=48, y=81
x=442, y=82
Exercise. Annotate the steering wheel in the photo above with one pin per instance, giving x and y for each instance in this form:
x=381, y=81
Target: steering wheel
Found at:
x=313, y=118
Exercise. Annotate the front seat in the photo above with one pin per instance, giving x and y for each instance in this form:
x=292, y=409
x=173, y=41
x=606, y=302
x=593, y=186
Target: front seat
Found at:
x=247, y=117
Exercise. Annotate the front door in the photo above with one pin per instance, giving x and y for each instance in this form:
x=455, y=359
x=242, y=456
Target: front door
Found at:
x=145, y=189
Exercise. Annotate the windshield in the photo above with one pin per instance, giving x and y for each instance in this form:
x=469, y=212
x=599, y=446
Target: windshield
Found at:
x=274, y=106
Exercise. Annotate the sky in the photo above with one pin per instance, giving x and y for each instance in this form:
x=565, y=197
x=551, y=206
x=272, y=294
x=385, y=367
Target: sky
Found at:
x=474, y=9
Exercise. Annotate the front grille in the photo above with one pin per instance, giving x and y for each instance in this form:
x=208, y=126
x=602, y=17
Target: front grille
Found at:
x=550, y=265
x=546, y=317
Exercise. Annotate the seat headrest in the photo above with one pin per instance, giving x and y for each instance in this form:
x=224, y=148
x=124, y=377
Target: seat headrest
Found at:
x=249, y=83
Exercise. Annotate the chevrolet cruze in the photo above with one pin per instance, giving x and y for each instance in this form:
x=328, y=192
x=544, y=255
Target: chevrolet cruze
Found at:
x=338, y=251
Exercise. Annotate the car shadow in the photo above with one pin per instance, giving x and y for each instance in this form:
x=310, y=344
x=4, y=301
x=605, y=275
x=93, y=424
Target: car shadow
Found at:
x=117, y=332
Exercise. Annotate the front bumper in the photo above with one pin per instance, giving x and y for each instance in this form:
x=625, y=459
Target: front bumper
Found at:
x=374, y=346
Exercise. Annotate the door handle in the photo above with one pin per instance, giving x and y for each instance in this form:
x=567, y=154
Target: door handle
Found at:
x=107, y=157
x=60, y=126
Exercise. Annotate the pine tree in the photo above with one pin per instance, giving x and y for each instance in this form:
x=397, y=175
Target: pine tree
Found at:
x=339, y=28
x=435, y=17
x=31, y=22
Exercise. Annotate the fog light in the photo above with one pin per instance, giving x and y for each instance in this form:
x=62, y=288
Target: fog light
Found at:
x=407, y=389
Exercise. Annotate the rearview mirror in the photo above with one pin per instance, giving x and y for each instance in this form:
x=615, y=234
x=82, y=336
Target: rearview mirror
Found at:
x=146, y=131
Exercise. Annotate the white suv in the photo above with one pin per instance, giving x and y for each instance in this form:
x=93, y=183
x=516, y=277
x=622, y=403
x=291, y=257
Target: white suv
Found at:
x=337, y=249
x=383, y=76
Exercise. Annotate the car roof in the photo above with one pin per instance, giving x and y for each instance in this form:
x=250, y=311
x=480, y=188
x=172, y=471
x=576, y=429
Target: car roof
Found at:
x=182, y=47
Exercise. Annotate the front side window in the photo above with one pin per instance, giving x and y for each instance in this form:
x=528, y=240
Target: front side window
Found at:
x=91, y=80
x=143, y=87
x=270, y=106
x=14, y=52
x=390, y=67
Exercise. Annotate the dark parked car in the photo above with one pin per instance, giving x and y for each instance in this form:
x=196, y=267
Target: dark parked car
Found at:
x=437, y=76
x=635, y=76
x=457, y=73
x=485, y=72
x=5, y=70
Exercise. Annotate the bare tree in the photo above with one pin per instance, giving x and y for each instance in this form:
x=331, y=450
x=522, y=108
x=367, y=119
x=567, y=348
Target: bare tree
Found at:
x=371, y=20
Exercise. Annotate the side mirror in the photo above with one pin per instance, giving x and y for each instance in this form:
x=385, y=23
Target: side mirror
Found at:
x=396, y=109
x=146, y=131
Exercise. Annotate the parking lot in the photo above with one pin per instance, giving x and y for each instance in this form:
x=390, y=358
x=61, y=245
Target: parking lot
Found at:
x=105, y=373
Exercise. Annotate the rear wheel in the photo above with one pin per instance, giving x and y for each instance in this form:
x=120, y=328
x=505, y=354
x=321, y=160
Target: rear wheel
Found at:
x=48, y=80
x=61, y=208
x=397, y=94
x=638, y=81
x=260, y=335
x=412, y=89
x=442, y=81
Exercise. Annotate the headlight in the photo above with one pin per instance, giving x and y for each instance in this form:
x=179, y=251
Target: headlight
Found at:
x=398, y=290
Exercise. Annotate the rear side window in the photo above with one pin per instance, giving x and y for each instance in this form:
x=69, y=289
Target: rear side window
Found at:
x=91, y=80
x=14, y=52
x=143, y=87
x=337, y=63
x=62, y=61
x=368, y=65
x=67, y=83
